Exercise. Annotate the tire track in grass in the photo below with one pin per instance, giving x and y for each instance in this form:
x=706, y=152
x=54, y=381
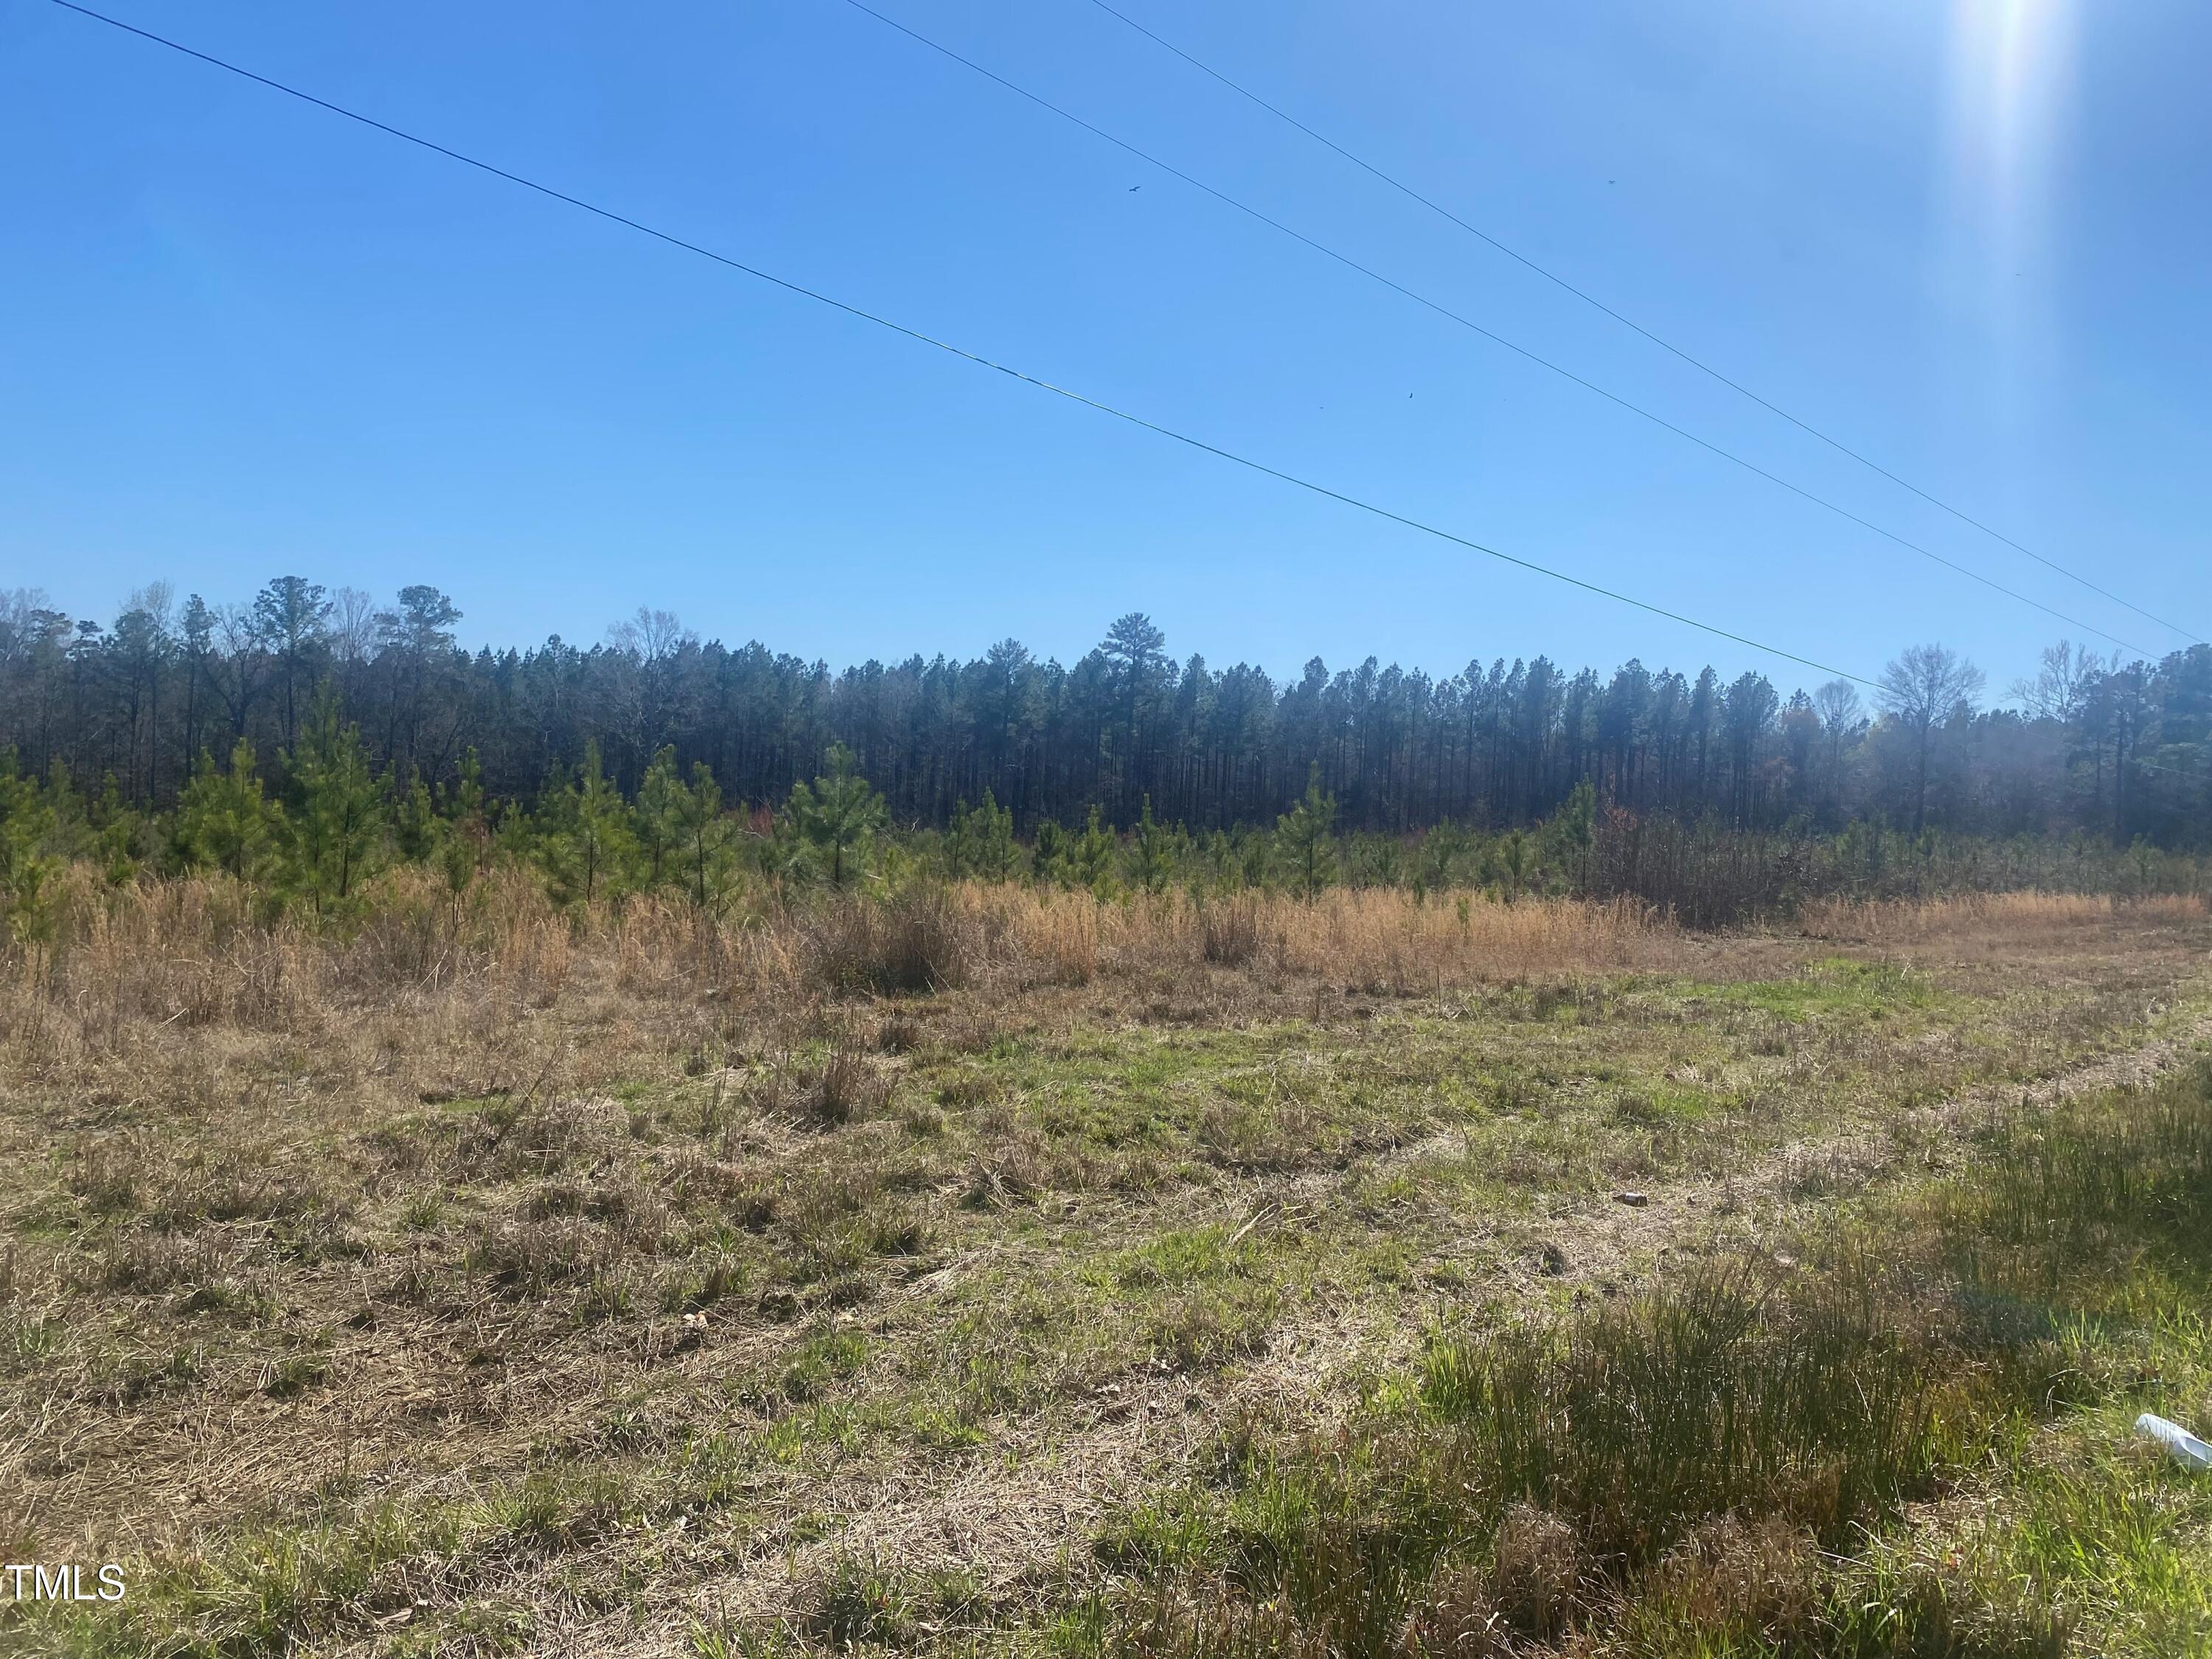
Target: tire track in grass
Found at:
x=1009, y=1516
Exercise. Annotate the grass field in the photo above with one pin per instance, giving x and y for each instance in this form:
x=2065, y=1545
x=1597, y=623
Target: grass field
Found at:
x=989, y=1273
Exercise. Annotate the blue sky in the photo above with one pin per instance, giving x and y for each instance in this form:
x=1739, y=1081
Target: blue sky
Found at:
x=243, y=336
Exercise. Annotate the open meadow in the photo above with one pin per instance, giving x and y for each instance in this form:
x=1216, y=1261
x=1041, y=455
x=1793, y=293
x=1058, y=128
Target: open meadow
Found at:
x=993, y=1269
x=643, y=1015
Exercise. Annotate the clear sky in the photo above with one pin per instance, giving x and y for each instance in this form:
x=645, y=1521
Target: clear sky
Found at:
x=239, y=337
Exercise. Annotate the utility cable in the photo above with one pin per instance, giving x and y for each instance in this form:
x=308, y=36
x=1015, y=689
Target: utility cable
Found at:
x=1491, y=335
x=1629, y=323
x=975, y=358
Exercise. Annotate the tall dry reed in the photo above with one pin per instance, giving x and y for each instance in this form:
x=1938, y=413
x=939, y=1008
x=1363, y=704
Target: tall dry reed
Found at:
x=2019, y=915
x=1379, y=937
x=206, y=952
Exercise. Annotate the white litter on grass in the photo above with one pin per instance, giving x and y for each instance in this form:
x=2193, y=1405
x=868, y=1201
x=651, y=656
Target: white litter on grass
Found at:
x=2185, y=1447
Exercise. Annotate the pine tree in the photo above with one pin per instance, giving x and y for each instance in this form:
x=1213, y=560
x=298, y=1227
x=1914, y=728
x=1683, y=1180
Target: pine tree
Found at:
x=26, y=869
x=591, y=842
x=1048, y=858
x=1442, y=851
x=224, y=819
x=839, y=817
x=290, y=615
x=706, y=842
x=1157, y=850
x=112, y=833
x=417, y=829
x=1515, y=862
x=660, y=811
x=1256, y=856
x=783, y=855
x=1304, y=848
x=981, y=843
x=70, y=834
x=335, y=833
x=1572, y=831
x=1218, y=869
x=461, y=845
x=1091, y=860
x=462, y=801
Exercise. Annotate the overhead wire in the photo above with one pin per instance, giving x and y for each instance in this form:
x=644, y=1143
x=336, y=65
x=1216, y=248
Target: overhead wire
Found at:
x=1629, y=323
x=917, y=335
x=1469, y=323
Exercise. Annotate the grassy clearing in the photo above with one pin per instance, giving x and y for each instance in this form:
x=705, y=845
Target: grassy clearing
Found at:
x=1903, y=1434
x=594, y=1292
x=1842, y=987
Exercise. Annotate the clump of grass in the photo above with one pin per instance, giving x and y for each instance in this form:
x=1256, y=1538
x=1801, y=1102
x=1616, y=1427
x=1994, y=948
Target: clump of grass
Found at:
x=708, y=1278
x=1558, y=1459
x=109, y=1173
x=173, y=1185
x=1717, y=1393
x=1282, y=1132
x=859, y=1603
x=825, y=1359
x=1753, y=1580
x=968, y=1090
x=899, y=1034
x=832, y=1219
x=148, y=1260
x=1178, y=1257
x=2100, y=1206
x=846, y=1089
x=921, y=939
x=1840, y=985
x=294, y=1373
x=1901, y=921
x=422, y=1210
x=1660, y=1474
x=1016, y=1162
x=527, y=1258
x=274, y=1592
x=1229, y=932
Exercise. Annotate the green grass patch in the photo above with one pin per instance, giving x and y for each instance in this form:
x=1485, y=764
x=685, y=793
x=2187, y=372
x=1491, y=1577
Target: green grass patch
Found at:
x=823, y=1360
x=1839, y=986
x=1178, y=1258
x=1917, y=1444
x=271, y=1592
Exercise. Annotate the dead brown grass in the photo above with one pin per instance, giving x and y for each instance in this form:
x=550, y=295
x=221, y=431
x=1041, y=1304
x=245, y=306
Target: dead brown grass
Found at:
x=2018, y=918
x=434, y=1195
x=203, y=952
x=1377, y=937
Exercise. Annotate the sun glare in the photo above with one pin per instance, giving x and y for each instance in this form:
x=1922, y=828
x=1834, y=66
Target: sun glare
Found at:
x=2011, y=71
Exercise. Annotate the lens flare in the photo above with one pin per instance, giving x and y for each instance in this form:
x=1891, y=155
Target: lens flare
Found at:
x=2011, y=78
x=2012, y=66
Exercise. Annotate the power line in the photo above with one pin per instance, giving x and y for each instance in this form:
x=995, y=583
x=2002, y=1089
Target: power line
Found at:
x=976, y=358
x=1588, y=299
x=1491, y=335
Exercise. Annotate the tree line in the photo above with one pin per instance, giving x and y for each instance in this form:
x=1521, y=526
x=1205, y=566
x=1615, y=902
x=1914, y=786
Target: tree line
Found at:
x=166, y=693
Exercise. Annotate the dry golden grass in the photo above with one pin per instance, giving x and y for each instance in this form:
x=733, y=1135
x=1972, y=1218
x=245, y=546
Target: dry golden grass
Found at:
x=1381, y=937
x=197, y=953
x=176, y=957
x=424, y=1205
x=164, y=991
x=2016, y=917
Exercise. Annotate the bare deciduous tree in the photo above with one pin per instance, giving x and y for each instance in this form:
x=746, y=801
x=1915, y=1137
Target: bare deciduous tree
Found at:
x=2062, y=684
x=353, y=625
x=1842, y=713
x=652, y=636
x=1924, y=686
